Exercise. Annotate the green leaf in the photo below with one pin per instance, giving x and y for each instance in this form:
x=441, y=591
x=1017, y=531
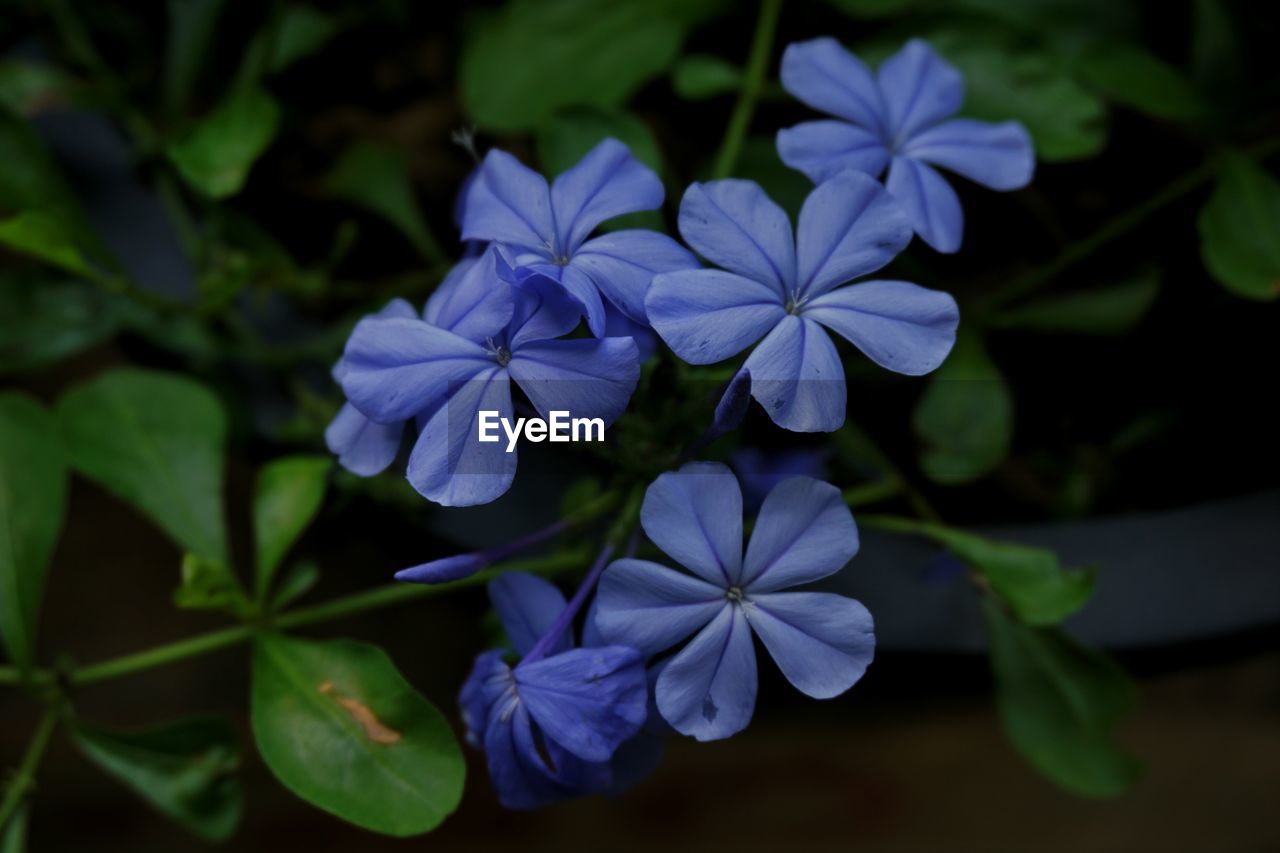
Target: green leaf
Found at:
x=303, y=31
x=874, y=8
x=1031, y=580
x=377, y=178
x=289, y=493
x=1240, y=229
x=1130, y=75
x=33, y=497
x=964, y=418
x=42, y=236
x=569, y=53
x=192, y=24
x=183, y=768
x=216, y=156
x=13, y=835
x=1066, y=121
x=319, y=708
x=568, y=136
x=209, y=585
x=1113, y=309
x=1058, y=701
x=43, y=320
x=700, y=76
x=27, y=86
x=296, y=583
x=155, y=440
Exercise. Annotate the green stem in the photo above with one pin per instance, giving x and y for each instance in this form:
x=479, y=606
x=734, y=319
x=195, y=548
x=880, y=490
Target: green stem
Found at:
x=872, y=493
x=1116, y=227
x=854, y=442
x=349, y=605
x=752, y=83
x=24, y=780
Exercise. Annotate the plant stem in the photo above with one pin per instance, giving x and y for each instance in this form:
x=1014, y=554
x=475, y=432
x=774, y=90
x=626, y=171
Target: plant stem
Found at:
x=752, y=83
x=25, y=778
x=871, y=493
x=349, y=605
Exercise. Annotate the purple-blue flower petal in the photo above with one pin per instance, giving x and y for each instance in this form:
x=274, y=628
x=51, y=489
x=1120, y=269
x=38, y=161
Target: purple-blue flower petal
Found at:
x=708, y=690
x=707, y=316
x=822, y=642
x=929, y=201
x=998, y=156
x=736, y=226
x=449, y=464
x=900, y=326
x=618, y=325
x=544, y=309
x=733, y=404
x=398, y=367
x=364, y=447
x=695, y=516
x=920, y=89
x=471, y=301
x=822, y=149
x=652, y=607
x=527, y=606
x=586, y=377
x=443, y=570
x=607, y=182
x=797, y=377
x=509, y=203
x=824, y=75
x=586, y=700
x=623, y=263
x=804, y=532
x=849, y=227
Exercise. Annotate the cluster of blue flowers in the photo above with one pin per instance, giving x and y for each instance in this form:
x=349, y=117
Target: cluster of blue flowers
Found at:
x=660, y=649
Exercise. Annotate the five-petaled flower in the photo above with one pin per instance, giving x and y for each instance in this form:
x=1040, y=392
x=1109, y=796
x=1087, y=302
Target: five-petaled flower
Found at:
x=545, y=229
x=551, y=726
x=785, y=290
x=822, y=642
x=482, y=329
x=900, y=118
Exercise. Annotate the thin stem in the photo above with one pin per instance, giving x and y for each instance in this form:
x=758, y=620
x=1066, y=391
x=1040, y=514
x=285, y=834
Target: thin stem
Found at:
x=752, y=83
x=872, y=493
x=25, y=778
x=566, y=617
x=853, y=441
x=349, y=605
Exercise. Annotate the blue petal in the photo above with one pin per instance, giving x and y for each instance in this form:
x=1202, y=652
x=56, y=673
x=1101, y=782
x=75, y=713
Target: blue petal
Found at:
x=396, y=368
x=804, y=532
x=797, y=377
x=849, y=226
x=449, y=464
x=527, y=771
x=759, y=473
x=394, y=308
x=586, y=377
x=527, y=606
x=695, y=516
x=651, y=607
x=443, y=570
x=733, y=224
x=708, y=690
x=619, y=325
x=822, y=642
x=544, y=309
x=832, y=80
x=472, y=301
x=586, y=700
x=364, y=447
x=509, y=203
x=605, y=183
x=920, y=89
x=900, y=326
x=733, y=404
x=930, y=203
x=623, y=263
x=999, y=156
x=707, y=316
x=474, y=698
x=822, y=149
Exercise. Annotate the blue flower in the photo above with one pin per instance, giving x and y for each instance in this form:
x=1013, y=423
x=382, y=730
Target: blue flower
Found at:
x=551, y=727
x=899, y=118
x=546, y=228
x=821, y=641
x=480, y=330
x=760, y=472
x=785, y=291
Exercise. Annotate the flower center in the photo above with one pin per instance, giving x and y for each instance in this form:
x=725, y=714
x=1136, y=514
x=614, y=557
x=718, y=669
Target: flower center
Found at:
x=734, y=594
x=500, y=354
x=794, y=304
